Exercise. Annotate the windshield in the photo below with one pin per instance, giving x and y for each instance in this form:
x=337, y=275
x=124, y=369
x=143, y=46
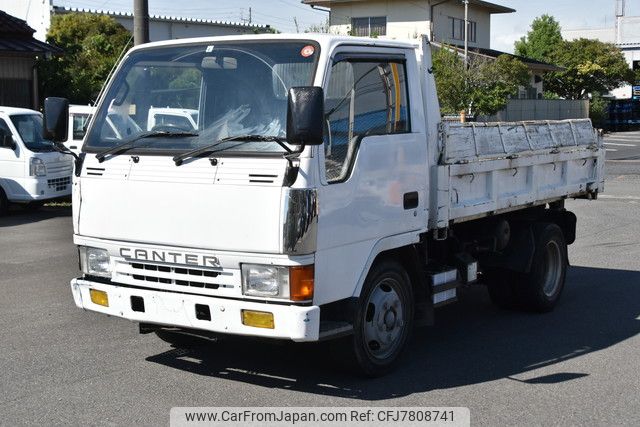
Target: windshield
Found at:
x=214, y=90
x=29, y=127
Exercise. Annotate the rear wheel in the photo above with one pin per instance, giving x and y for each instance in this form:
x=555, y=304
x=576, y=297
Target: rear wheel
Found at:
x=384, y=319
x=500, y=285
x=540, y=289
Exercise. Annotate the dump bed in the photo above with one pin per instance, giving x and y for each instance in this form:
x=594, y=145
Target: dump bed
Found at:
x=489, y=168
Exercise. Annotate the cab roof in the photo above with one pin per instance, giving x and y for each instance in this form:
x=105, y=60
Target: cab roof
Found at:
x=11, y=111
x=324, y=40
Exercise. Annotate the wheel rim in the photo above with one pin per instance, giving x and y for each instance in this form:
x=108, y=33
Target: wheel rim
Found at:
x=384, y=319
x=554, y=269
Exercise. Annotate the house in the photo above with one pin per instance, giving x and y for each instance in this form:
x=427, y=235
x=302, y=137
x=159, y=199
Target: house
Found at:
x=625, y=34
x=537, y=68
x=18, y=54
x=441, y=20
x=38, y=14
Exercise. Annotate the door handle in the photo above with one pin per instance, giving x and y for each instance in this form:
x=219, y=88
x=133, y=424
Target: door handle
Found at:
x=411, y=200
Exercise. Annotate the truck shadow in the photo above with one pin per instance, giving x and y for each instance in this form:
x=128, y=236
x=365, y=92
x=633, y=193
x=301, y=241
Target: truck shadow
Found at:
x=18, y=215
x=472, y=343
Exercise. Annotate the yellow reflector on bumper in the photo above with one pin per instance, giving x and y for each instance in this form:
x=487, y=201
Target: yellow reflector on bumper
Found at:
x=258, y=319
x=99, y=297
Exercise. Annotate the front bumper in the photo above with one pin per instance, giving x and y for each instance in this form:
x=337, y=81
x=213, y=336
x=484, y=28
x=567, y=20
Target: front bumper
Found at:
x=44, y=188
x=297, y=323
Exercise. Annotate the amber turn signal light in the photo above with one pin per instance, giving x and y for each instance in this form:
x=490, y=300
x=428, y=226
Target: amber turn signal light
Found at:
x=99, y=297
x=301, y=282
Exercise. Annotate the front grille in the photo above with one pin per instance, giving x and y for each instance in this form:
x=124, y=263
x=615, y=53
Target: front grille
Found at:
x=59, y=184
x=177, y=277
x=56, y=168
x=195, y=273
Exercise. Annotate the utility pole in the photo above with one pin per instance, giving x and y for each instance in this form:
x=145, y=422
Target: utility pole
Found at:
x=250, y=16
x=140, y=21
x=466, y=32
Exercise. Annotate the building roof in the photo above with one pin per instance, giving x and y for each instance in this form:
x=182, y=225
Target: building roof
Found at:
x=533, y=64
x=17, y=37
x=165, y=18
x=492, y=7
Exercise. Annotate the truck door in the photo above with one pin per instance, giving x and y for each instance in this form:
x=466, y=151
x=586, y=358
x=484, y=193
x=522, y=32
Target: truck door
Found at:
x=372, y=169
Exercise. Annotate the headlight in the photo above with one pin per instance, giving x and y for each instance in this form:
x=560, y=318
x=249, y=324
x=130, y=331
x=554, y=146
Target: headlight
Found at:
x=95, y=262
x=265, y=281
x=37, y=167
x=295, y=283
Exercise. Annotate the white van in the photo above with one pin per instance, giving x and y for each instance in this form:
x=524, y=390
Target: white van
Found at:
x=31, y=170
x=181, y=118
x=79, y=116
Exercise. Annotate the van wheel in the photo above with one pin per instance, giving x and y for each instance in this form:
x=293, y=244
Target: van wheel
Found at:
x=540, y=289
x=384, y=319
x=4, y=203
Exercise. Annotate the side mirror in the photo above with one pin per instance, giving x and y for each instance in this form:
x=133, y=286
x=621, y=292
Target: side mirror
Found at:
x=305, y=116
x=6, y=140
x=56, y=119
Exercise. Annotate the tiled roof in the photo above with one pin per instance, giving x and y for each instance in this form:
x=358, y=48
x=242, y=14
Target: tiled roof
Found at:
x=14, y=26
x=64, y=9
x=17, y=37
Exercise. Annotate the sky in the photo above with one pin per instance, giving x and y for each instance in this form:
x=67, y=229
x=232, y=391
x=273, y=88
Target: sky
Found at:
x=282, y=14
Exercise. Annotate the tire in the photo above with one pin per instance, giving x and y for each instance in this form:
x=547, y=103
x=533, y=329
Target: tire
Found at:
x=500, y=285
x=540, y=289
x=383, y=319
x=4, y=203
x=179, y=339
x=34, y=206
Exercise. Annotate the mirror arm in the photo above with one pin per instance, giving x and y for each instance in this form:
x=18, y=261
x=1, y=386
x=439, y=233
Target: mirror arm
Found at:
x=291, y=174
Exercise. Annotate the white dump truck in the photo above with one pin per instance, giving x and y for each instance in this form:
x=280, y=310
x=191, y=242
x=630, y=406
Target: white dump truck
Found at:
x=320, y=196
x=32, y=170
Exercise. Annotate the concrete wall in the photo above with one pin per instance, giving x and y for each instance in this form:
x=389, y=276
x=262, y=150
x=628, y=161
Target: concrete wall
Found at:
x=167, y=30
x=540, y=109
x=411, y=19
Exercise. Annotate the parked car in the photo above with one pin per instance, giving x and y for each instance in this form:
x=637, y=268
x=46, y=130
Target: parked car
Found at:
x=31, y=169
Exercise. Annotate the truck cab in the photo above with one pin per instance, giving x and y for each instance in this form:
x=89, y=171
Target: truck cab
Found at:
x=31, y=170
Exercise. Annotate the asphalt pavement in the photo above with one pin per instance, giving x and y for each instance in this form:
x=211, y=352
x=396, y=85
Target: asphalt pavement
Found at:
x=578, y=365
x=622, y=145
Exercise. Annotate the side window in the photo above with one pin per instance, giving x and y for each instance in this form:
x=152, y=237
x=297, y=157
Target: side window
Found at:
x=4, y=128
x=362, y=98
x=80, y=126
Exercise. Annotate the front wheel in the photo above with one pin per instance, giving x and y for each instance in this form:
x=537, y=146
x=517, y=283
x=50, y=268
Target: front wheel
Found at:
x=384, y=319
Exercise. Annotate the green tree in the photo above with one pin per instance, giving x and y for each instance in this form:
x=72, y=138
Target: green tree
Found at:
x=484, y=87
x=92, y=44
x=590, y=66
x=541, y=40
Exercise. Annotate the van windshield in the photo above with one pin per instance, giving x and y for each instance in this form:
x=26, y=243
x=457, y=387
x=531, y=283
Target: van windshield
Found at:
x=29, y=127
x=204, y=92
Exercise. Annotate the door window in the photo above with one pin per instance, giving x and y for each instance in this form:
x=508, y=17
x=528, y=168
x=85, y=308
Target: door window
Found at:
x=363, y=97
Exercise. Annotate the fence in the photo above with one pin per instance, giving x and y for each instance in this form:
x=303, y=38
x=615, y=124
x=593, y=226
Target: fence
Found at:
x=540, y=109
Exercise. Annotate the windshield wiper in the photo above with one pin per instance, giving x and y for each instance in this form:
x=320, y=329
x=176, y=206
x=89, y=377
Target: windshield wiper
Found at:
x=130, y=143
x=212, y=147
